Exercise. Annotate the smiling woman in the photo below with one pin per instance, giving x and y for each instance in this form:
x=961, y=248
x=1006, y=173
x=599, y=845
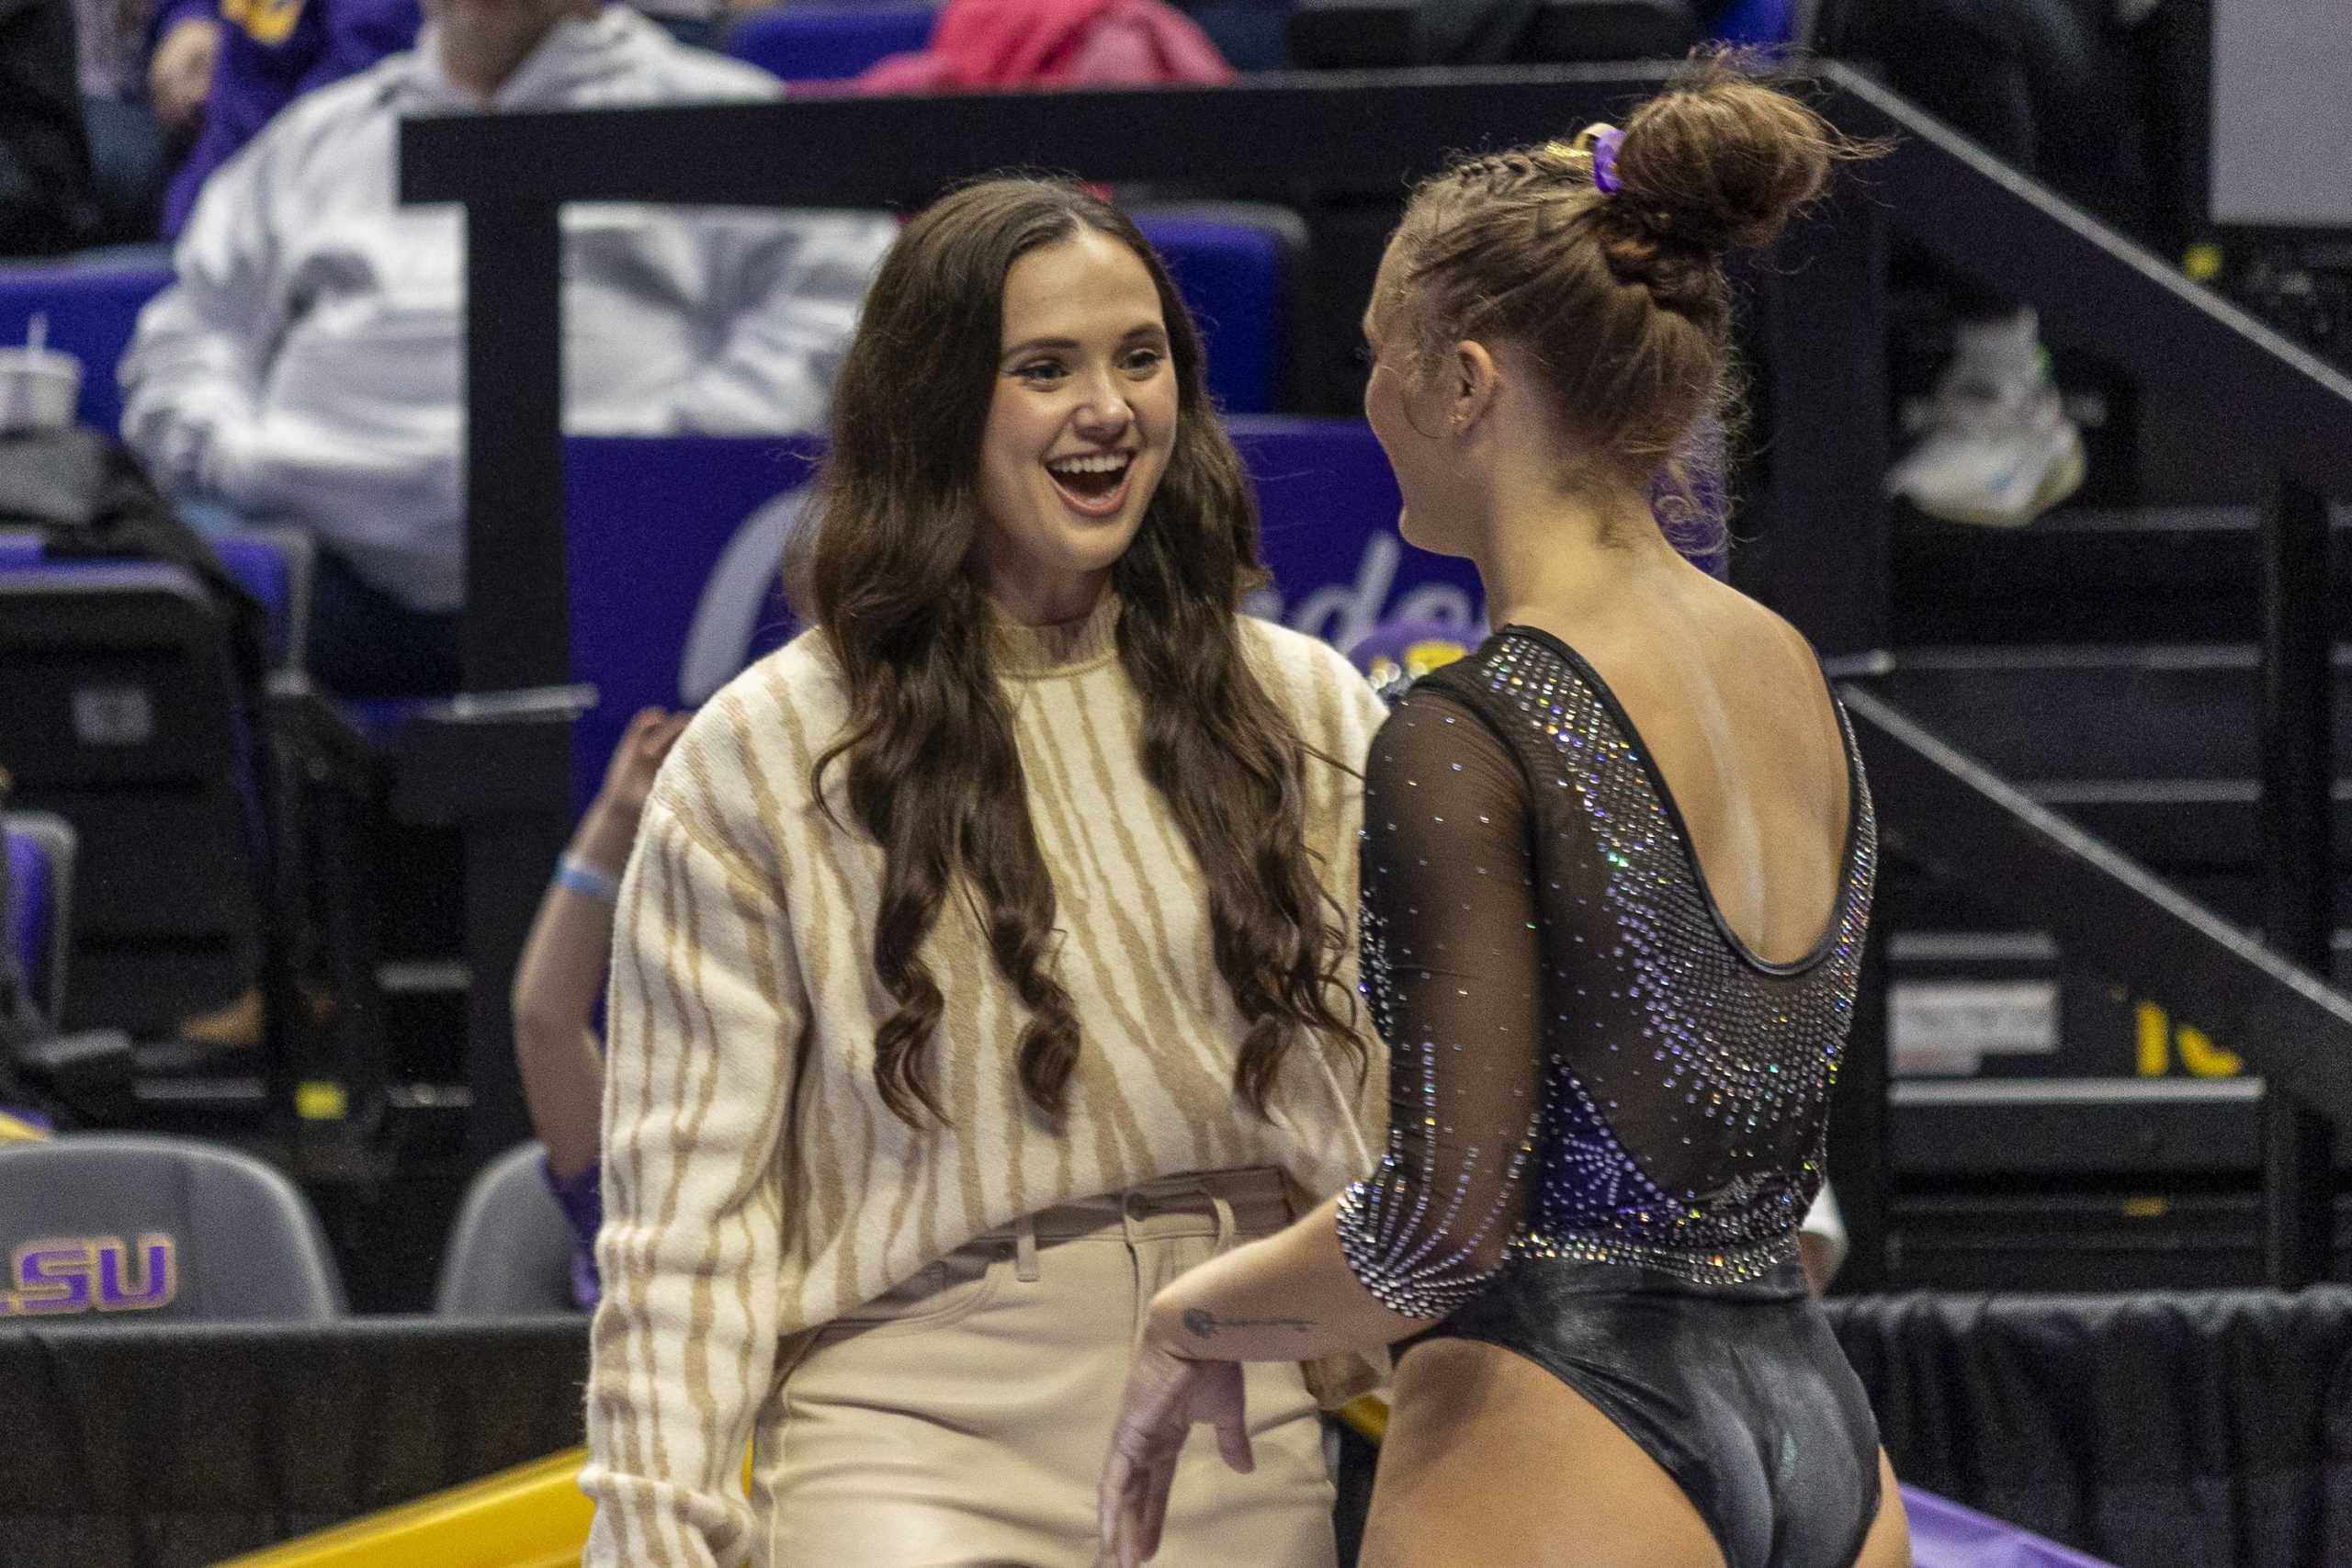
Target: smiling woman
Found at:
x=985, y=960
x=1079, y=424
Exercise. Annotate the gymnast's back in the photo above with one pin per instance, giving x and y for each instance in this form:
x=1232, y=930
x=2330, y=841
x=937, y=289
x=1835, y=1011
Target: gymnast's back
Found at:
x=1609, y=1082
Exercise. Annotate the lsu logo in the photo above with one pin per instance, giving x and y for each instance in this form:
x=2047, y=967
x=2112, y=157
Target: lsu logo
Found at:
x=90, y=1274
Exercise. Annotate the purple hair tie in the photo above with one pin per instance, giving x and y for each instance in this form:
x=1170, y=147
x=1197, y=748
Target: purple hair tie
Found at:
x=1604, y=161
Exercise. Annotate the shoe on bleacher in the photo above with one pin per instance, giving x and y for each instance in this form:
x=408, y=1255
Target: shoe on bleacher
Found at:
x=1999, y=450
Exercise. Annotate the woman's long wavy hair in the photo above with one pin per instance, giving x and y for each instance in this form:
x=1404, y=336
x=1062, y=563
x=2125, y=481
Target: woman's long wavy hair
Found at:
x=889, y=570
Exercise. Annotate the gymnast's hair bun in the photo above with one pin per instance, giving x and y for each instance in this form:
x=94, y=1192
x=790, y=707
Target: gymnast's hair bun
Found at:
x=1721, y=161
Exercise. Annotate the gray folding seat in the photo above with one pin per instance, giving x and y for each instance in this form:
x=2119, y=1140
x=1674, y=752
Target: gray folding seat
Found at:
x=134, y=1227
x=510, y=1250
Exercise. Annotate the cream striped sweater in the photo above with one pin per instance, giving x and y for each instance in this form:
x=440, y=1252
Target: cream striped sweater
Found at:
x=743, y=992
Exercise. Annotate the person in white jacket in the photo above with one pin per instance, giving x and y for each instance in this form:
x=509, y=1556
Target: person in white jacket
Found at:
x=306, y=364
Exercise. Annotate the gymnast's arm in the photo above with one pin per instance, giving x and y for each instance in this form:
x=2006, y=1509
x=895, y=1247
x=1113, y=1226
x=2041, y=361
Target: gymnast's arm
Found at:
x=1450, y=916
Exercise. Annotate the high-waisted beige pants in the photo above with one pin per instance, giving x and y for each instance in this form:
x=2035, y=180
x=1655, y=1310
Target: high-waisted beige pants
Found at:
x=961, y=1420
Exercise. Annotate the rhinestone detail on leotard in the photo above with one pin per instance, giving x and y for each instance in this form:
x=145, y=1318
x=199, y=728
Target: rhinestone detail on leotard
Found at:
x=1660, y=1028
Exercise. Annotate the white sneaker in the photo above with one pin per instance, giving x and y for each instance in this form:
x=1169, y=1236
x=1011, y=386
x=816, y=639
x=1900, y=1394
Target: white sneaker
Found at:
x=1998, y=452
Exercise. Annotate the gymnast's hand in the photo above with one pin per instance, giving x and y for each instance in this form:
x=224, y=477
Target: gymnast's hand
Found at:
x=1166, y=1393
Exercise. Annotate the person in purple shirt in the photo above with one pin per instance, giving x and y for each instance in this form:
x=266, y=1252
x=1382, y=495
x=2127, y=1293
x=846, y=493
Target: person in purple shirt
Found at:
x=561, y=978
x=271, y=52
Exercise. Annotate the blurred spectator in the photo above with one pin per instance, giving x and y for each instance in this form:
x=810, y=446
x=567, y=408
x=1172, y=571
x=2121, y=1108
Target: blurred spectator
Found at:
x=561, y=978
x=699, y=23
x=271, y=55
x=143, y=74
x=306, y=367
x=46, y=201
x=2043, y=86
x=179, y=74
x=981, y=44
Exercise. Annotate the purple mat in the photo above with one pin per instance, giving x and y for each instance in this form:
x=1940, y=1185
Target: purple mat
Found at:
x=1945, y=1535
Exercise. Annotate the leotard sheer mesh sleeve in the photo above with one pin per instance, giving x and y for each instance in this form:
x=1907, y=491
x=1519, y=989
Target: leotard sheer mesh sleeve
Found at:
x=1453, y=970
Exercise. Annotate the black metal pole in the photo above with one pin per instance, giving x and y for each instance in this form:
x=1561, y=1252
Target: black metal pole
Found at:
x=1826, y=566
x=1858, y=1125
x=1827, y=555
x=517, y=624
x=2299, y=916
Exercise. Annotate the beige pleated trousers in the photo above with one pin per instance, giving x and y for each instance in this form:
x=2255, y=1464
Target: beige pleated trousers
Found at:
x=961, y=1420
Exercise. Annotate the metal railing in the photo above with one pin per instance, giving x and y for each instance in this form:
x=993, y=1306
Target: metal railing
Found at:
x=1311, y=139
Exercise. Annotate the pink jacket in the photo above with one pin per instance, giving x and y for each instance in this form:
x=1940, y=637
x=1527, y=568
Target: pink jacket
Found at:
x=979, y=44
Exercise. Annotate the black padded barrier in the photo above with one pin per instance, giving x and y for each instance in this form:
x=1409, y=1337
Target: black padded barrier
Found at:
x=2178, y=1430
x=2208, y=1429
x=138, y=1448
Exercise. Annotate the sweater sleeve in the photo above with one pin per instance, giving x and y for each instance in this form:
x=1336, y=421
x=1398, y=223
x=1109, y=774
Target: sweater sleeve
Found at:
x=787, y=290
x=704, y=1025
x=195, y=366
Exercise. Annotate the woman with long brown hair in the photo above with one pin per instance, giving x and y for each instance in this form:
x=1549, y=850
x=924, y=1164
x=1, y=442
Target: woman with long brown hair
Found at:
x=1617, y=871
x=984, y=960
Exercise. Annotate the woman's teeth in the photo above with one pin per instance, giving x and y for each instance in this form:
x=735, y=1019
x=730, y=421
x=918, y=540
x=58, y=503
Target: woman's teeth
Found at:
x=1092, y=477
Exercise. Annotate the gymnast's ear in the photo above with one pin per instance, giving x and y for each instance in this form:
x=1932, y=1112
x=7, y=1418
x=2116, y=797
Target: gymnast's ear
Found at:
x=1474, y=380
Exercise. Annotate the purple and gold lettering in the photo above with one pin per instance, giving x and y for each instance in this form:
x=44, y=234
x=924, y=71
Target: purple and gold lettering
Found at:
x=53, y=1276
x=59, y=1275
x=157, y=1276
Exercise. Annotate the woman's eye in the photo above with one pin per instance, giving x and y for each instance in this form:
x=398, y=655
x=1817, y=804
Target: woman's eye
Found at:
x=1039, y=372
x=1144, y=361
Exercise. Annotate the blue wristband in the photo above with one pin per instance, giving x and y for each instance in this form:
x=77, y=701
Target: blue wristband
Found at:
x=578, y=875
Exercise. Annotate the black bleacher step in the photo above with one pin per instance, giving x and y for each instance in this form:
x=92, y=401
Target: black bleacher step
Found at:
x=2150, y=1238
x=2057, y=711
x=2146, y=574
x=2075, y=1128
x=2012, y=1062
x=205, y=1105
x=2151, y=747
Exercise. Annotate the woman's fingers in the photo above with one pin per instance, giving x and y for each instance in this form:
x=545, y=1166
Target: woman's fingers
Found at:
x=1110, y=1505
x=1233, y=1442
x=1160, y=1482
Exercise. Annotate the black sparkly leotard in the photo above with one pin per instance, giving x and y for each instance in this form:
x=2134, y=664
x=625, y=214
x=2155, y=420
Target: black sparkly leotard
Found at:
x=1606, y=1112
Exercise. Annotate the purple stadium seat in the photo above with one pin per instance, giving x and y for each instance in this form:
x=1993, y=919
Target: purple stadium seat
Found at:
x=1229, y=265
x=828, y=43
x=1762, y=24
x=40, y=873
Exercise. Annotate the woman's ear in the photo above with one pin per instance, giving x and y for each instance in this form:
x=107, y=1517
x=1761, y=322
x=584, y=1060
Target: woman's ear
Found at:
x=1476, y=379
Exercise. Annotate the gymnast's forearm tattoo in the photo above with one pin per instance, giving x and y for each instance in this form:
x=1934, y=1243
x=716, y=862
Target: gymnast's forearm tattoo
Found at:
x=1203, y=1325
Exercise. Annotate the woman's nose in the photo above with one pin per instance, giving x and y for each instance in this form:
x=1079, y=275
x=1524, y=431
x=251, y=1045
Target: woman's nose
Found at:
x=1105, y=413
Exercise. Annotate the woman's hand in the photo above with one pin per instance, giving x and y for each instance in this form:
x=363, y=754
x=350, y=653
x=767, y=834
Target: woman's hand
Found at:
x=1166, y=1393
x=179, y=75
x=609, y=827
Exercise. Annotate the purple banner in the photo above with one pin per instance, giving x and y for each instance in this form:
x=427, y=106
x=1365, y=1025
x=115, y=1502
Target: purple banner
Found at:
x=675, y=543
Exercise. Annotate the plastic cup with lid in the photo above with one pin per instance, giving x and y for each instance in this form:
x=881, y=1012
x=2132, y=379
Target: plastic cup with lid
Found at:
x=39, y=385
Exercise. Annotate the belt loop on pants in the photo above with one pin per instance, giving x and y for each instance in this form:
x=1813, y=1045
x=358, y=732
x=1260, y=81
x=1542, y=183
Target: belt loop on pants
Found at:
x=1224, y=1230
x=1025, y=1250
